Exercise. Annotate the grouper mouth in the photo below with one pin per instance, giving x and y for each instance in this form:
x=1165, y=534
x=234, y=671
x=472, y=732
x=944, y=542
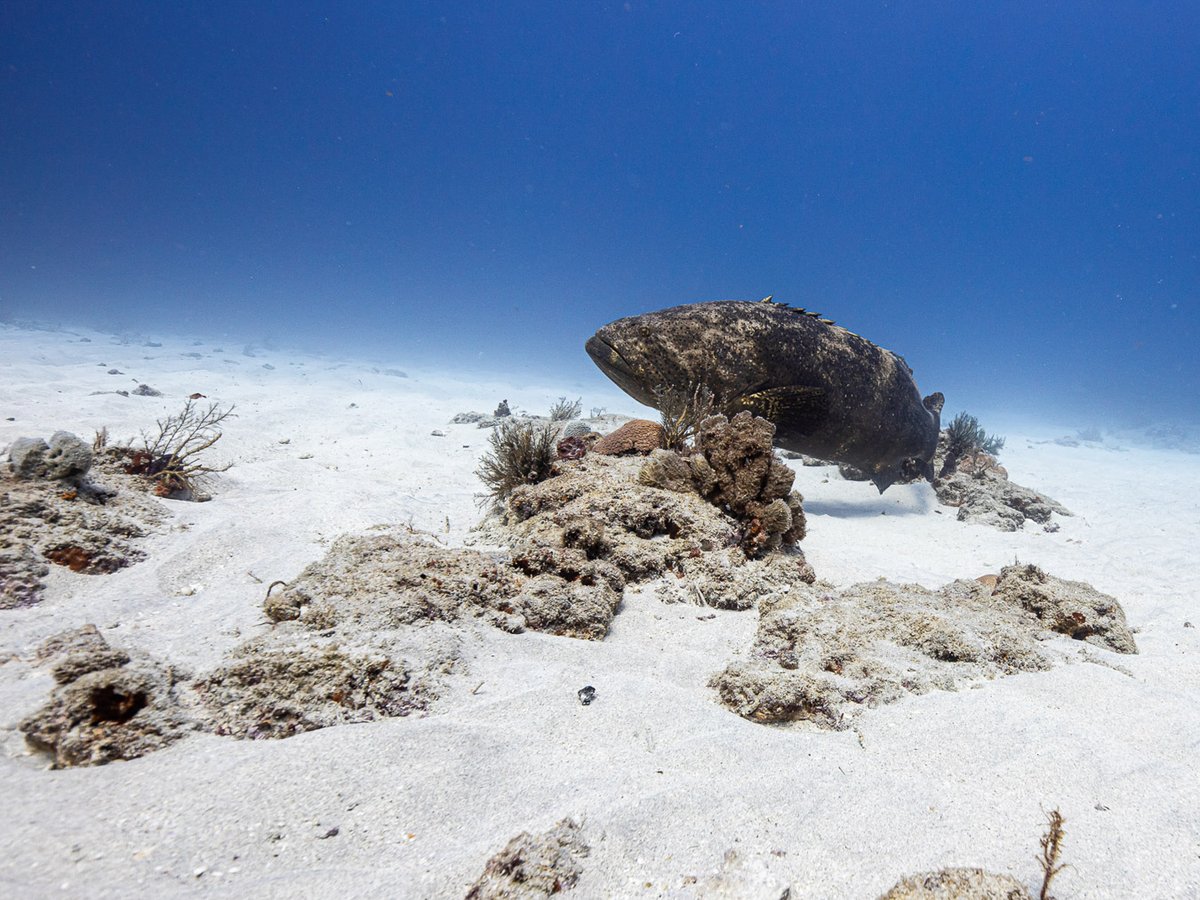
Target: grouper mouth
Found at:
x=610, y=361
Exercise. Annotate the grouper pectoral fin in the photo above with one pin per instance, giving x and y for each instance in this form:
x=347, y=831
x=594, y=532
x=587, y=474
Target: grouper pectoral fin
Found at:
x=802, y=408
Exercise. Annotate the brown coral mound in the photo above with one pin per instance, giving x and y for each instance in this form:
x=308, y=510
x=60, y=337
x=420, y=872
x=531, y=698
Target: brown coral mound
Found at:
x=958, y=884
x=531, y=867
x=268, y=691
x=391, y=579
x=614, y=510
x=105, y=707
x=741, y=473
x=822, y=656
x=639, y=436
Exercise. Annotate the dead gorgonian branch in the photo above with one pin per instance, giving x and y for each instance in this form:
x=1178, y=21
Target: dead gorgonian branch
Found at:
x=1051, y=843
x=682, y=410
x=171, y=458
x=565, y=409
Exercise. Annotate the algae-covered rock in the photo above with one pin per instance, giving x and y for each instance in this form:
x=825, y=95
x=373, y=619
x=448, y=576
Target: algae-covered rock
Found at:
x=531, y=867
x=958, y=884
x=979, y=487
x=268, y=690
x=1073, y=608
x=79, y=652
x=106, y=707
x=391, y=579
x=21, y=572
x=726, y=579
x=72, y=523
x=598, y=504
x=646, y=518
x=668, y=470
x=822, y=655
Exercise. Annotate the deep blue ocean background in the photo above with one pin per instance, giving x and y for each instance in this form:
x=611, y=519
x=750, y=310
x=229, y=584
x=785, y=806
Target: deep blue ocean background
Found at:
x=1008, y=194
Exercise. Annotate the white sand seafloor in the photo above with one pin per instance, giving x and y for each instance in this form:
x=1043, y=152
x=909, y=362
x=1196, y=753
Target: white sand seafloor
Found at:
x=678, y=796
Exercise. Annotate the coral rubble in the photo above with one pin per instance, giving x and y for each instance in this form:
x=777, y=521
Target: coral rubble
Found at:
x=109, y=704
x=708, y=512
x=821, y=655
x=391, y=579
x=958, y=884
x=106, y=706
x=533, y=866
x=978, y=485
x=646, y=517
x=50, y=511
x=271, y=691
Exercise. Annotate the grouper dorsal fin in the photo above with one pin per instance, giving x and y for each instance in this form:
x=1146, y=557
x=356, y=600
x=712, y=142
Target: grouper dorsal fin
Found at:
x=801, y=408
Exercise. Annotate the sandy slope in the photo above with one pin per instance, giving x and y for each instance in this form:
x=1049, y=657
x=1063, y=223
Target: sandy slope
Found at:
x=679, y=796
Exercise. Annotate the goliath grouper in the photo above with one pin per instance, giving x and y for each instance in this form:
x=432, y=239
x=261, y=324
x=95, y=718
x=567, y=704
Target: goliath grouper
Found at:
x=830, y=393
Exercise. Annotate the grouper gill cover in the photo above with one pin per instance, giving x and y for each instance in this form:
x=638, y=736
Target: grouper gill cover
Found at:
x=830, y=393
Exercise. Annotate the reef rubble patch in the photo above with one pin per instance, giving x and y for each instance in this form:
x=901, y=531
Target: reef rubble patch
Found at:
x=107, y=705
x=531, y=866
x=720, y=524
x=980, y=489
x=822, y=655
x=51, y=512
x=391, y=579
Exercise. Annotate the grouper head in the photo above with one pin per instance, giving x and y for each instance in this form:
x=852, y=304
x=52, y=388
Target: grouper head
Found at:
x=671, y=348
x=626, y=374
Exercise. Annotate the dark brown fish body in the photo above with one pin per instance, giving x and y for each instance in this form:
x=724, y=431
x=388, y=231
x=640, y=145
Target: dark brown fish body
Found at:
x=830, y=393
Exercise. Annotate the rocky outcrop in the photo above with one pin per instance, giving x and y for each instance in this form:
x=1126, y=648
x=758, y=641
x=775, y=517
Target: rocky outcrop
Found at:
x=106, y=706
x=979, y=487
x=51, y=513
x=392, y=579
x=532, y=866
x=822, y=655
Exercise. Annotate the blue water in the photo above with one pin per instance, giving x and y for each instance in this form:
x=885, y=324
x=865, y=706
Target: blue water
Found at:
x=1007, y=194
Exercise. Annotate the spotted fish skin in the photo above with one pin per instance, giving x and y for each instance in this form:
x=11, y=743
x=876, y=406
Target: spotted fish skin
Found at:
x=830, y=393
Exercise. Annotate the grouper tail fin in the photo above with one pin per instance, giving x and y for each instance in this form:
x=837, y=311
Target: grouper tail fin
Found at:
x=934, y=403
